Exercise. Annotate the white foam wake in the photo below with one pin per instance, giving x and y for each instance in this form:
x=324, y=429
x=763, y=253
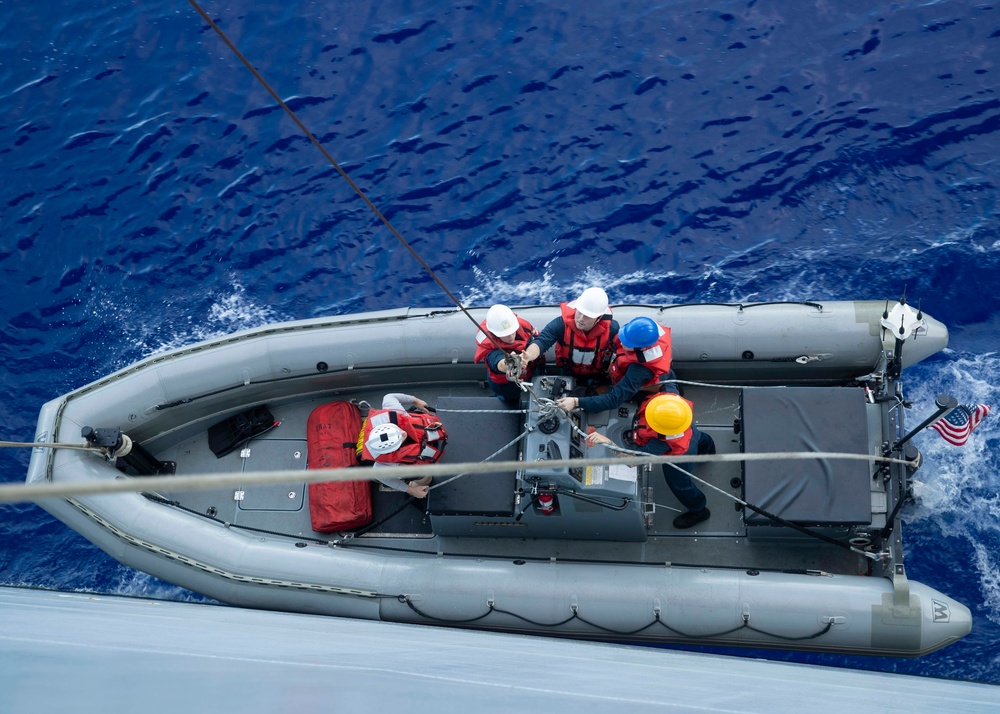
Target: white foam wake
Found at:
x=957, y=487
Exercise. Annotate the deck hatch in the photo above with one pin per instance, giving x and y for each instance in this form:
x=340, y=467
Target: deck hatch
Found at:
x=273, y=455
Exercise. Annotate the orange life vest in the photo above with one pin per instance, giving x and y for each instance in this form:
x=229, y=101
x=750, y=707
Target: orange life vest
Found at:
x=484, y=345
x=584, y=354
x=425, y=437
x=656, y=358
x=643, y=433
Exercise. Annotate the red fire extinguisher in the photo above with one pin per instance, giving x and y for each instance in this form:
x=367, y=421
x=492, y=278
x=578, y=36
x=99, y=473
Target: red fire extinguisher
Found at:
x=547, y=503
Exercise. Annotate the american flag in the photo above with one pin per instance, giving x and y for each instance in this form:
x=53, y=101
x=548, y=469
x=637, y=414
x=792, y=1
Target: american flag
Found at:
x=959, y=423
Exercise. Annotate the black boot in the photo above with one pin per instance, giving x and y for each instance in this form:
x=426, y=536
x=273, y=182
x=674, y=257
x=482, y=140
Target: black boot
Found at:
x=691, y=518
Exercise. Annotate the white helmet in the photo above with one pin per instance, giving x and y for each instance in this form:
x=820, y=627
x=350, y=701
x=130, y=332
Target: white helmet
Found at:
x=385, y=438
x=593, y=302
x=501, y=321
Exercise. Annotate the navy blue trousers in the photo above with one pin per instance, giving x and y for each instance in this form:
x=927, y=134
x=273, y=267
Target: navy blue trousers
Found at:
x=508, y=393
x=680, y=483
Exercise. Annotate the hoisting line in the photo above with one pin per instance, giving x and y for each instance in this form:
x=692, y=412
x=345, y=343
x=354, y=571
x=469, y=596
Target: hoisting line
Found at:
x=48, y=445
x=333, y=162
x=12, y=493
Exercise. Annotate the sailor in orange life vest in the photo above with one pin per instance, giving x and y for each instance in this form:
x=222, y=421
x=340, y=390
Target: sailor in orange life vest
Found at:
x=392, y=436
x=663, y=426
x=583, y=336
x=510, y=332
x=641, y=362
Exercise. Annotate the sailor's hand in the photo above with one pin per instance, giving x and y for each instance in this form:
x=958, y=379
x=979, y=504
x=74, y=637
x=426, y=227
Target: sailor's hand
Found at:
x=594, y=439
x=420, y=403
x=417, y=491
x=568, y=403
x=512, y=365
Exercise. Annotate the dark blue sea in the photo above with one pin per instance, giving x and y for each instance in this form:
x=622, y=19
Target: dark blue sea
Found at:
x=153, y=195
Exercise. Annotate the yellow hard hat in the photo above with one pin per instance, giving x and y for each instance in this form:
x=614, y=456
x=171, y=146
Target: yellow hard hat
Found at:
x=668, y=414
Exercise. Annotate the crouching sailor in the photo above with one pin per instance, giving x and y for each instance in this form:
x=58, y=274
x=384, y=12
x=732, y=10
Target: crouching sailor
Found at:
x=392, y=436
x=663, y=427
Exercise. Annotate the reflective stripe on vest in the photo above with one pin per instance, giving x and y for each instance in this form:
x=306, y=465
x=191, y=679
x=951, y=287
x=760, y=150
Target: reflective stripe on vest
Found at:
x=484, y=346
x=584, y=353
x=650, y=354
x=426, y=437
x=643, y=433
x=656, y=358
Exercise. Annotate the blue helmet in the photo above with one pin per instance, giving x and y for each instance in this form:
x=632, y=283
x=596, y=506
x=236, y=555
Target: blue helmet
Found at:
x=639, y=333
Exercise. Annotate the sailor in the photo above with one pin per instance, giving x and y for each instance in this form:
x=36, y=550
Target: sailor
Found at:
x=663, y=426
x=641, y=363
x=583, y=336
x=503, y=329
x=392, y=436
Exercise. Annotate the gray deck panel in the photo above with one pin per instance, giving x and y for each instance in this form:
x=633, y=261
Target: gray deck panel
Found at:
x=720, y=540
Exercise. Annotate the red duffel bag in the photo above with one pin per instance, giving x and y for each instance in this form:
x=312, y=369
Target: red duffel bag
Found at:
x=332, y=437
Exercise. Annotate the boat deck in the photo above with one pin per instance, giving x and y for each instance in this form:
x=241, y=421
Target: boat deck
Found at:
x=283, y=510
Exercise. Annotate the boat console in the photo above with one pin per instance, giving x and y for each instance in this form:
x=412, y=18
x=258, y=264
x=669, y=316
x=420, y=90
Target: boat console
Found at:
x=537, y=500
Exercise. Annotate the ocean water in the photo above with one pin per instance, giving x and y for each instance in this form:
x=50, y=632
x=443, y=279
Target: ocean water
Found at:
x=153, y=195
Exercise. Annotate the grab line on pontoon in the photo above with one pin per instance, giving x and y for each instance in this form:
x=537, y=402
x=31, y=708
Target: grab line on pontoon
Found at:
x=575, y=615
x=403, y=598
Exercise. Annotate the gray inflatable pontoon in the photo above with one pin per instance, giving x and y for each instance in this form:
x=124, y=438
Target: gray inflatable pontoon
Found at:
x=826, y=573
x=107, y=653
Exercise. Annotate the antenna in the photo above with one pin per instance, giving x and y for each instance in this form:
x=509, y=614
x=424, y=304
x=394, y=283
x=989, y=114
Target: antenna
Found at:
x=903, y=321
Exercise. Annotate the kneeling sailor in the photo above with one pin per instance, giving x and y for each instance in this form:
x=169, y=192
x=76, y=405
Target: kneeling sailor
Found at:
x=392, y=436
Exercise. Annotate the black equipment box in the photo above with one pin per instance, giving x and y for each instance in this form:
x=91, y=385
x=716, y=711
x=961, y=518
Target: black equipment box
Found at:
x=230, y=434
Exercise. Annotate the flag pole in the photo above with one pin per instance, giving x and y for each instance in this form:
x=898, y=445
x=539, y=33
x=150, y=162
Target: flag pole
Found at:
x=944, y=403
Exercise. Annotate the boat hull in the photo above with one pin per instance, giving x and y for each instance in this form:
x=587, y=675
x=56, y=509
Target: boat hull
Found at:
x=625, y=602
x=508, y=584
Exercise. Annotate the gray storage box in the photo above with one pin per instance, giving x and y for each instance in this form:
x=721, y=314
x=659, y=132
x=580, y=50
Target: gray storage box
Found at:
x=827, y=492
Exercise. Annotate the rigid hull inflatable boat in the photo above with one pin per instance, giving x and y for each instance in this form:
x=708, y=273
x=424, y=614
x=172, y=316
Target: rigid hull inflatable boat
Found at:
x=580, y=551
